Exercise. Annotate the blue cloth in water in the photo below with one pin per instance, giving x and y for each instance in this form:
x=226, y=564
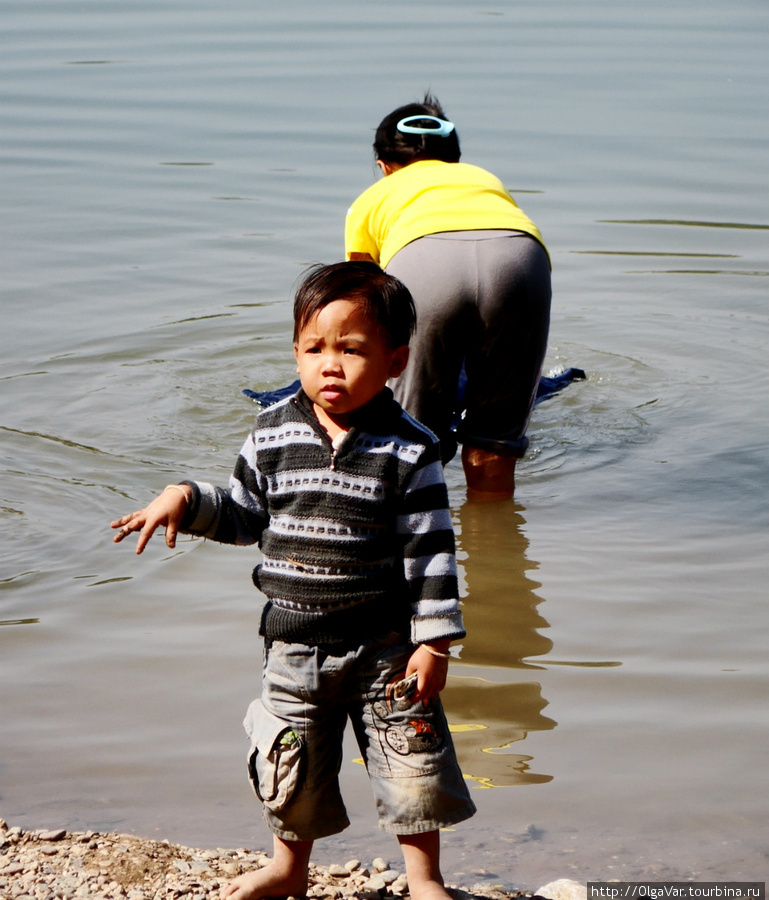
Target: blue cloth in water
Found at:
x=548, y=386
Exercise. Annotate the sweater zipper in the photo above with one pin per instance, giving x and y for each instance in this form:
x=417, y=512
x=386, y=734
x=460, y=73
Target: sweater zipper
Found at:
x=324, y=437
x=335, y=448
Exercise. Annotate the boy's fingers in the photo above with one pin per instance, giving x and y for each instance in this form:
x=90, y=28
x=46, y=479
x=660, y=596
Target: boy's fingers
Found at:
x=127, y=524
x=171, y=536
x=126, y=520
x=124, y=529
x=423, y=687
x=144, y=535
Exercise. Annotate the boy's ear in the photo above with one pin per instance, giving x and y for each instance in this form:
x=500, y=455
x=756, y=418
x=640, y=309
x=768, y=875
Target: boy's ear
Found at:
x=296, y=355
x=398, y=361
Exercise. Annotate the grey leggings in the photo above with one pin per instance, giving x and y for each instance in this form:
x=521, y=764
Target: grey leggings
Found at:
x=482, y=299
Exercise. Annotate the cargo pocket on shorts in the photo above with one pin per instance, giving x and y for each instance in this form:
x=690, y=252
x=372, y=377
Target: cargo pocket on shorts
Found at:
x=276, y=757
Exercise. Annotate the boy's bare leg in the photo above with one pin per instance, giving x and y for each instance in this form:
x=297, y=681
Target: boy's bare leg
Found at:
x=286, y=875
x=488, y=476
x=421, y=853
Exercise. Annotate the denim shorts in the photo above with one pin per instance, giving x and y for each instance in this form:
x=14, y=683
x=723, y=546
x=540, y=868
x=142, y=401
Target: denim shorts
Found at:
x=296, y=729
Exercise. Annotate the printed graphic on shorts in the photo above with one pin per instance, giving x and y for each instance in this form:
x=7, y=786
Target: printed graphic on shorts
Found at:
x=405, y=730
x=416, y=736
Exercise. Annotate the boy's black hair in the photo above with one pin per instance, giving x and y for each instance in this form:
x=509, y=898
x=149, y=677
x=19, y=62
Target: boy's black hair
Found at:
x=385, y=299
x=393, y=146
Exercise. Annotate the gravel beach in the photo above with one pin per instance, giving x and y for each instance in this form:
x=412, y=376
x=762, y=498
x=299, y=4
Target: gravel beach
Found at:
x=61, y=865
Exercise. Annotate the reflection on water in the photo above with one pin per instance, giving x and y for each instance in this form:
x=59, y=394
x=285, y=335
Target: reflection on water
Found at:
x=502, y=621
x=485, y=720
x=500, y=606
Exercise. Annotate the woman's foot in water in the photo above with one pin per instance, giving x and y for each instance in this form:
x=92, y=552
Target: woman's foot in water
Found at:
x=488, y=476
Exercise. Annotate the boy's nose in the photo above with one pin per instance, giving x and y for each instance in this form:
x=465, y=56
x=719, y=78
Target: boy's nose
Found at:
x=331, y=363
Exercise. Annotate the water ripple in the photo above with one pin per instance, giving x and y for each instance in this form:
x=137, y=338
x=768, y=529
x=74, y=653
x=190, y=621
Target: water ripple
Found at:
x=655, y=253
x=685, y=222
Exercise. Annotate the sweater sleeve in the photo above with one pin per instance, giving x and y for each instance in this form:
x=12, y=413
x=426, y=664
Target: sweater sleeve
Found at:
x=429, y=560
x=233, y=515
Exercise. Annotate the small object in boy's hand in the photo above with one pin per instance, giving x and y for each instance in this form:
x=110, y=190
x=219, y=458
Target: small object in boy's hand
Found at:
x=405, y=686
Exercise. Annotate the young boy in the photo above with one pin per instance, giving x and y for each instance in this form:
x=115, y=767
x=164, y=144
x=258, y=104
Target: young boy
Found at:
x=344, y=493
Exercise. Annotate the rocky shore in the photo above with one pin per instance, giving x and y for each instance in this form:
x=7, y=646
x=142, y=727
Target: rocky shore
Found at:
x=61, y=865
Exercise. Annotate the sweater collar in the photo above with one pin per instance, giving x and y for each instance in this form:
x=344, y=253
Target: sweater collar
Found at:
x=376, y=414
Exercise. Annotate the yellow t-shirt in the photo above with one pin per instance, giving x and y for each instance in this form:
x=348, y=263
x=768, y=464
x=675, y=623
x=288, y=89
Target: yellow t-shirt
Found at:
x=428, y=197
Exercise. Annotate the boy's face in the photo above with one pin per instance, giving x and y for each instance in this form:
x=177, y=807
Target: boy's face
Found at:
x=344, y=361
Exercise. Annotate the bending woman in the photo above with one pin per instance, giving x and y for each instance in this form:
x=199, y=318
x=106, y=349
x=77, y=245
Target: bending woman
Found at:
x=479, y=273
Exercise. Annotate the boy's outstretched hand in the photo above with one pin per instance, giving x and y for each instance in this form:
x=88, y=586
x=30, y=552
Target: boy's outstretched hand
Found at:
x=167, y=509
x=431, y=670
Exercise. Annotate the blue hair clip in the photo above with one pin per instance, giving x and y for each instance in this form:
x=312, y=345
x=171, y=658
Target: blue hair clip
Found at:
x=442, y=129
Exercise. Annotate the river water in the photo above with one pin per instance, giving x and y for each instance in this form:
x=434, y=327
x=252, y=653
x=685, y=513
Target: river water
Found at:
x=168, y=171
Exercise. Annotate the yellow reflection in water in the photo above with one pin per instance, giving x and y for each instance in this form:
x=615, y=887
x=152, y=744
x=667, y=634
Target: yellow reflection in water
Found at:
x=486, y=719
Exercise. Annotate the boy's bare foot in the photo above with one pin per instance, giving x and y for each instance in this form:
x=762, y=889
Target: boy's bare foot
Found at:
x=429, y=890
x=421, y=853
x=286, y=875
x=266, y=882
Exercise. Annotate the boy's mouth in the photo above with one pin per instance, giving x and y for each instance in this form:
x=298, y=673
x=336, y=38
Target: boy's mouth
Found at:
x=331, y=392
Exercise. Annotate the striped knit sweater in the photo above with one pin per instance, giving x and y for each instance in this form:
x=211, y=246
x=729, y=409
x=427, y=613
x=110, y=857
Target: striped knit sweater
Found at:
x=355, y=540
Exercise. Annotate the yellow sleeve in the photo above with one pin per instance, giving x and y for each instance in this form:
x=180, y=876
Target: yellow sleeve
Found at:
x=357, y=235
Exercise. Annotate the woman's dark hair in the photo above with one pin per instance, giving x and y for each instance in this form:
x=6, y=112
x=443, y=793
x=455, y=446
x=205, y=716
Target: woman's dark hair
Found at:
x=393, y=146
x=385, y=299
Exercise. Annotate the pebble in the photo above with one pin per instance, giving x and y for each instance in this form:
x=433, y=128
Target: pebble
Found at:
x=58, y=865
x=400, y=885
x=51, y=835
x=563, y=889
